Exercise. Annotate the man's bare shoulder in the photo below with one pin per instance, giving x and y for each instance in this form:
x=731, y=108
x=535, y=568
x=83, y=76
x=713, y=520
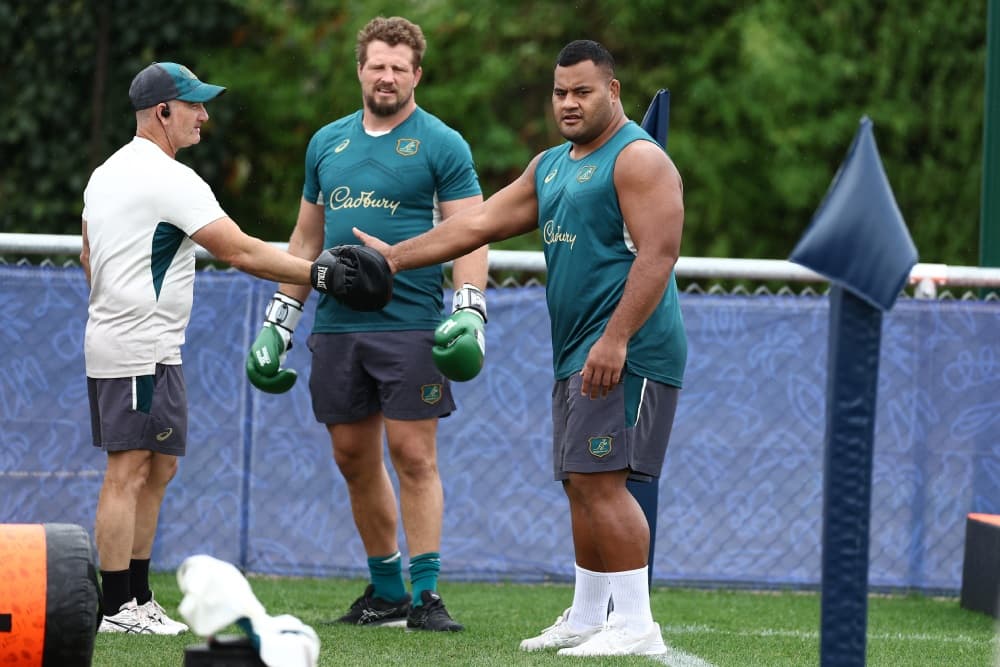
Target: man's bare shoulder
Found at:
x=642, y=160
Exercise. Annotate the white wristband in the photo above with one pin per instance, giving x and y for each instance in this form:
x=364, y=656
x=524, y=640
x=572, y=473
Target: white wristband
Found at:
x=283, y=311
x=469, y=296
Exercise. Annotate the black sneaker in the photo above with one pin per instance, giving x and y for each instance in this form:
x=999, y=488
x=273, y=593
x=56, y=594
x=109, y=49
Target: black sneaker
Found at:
x=374, y=611
x=431, y=615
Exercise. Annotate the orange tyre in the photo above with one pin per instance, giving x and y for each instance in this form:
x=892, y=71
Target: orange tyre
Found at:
x=49, y=596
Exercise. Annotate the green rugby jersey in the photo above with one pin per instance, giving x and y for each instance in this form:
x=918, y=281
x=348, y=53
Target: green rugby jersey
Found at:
x=588, y=254
x=387, y=186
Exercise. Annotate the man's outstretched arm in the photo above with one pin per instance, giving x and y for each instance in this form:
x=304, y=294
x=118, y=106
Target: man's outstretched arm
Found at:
x=510, y=212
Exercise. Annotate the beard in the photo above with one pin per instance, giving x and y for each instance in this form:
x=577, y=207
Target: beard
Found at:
x=388, y=108
x=581, y=134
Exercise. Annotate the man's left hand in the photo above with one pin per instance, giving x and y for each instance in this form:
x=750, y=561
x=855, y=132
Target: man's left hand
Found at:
x=460, y=341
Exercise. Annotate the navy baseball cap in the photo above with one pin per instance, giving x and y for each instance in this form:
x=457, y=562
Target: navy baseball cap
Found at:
x=162, y=82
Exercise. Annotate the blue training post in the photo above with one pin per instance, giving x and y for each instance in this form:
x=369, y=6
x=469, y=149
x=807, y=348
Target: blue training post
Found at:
x=858, y=240
x=656, y=122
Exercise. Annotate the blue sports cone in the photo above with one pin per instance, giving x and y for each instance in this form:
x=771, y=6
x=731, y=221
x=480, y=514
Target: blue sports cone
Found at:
x=859, y=241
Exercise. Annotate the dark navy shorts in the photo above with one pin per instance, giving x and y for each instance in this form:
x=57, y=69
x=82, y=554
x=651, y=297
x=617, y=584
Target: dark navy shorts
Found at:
x=144, y=412
x=355, y=375
x=627, y=429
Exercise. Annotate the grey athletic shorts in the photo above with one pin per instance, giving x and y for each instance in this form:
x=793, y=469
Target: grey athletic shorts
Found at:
x=627, y=429
x=144, y=412
x=355, y=375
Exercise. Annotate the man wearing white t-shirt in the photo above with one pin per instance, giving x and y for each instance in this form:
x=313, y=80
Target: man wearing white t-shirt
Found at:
x=143, y=214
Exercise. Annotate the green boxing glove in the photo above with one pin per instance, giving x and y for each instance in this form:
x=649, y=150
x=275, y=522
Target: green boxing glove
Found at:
x=268, y=352
x=460, y=341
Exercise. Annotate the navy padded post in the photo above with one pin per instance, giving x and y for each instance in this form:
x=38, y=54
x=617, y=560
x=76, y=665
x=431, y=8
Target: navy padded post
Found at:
x=858, y=240
x=852, y=383
x=656, y=122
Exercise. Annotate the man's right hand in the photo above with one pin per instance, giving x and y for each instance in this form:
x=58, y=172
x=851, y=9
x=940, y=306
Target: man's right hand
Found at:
x=377, y=245
x=267, y=353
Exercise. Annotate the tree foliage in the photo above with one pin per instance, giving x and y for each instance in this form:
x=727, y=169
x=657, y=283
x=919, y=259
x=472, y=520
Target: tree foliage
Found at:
x=65, y=69
x=766, y=97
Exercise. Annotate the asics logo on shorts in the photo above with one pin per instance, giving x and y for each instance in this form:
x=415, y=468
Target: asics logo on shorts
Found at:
x=165, y=434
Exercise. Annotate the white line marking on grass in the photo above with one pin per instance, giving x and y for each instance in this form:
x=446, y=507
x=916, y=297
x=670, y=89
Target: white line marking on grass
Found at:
x=674, y=657
x=814, y=634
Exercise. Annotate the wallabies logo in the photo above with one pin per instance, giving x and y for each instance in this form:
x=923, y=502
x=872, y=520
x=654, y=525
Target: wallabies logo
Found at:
x=407, y=147
x=430, y=393
x=600, y=446
x=586, y=173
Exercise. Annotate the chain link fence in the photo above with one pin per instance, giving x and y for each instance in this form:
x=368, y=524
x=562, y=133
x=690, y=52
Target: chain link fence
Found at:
x=741, y=496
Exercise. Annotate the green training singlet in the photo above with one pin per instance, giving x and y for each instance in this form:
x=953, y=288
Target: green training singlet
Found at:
x=588, y=254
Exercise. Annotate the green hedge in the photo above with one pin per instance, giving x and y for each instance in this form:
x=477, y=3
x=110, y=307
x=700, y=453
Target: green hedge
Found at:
x=766, y=97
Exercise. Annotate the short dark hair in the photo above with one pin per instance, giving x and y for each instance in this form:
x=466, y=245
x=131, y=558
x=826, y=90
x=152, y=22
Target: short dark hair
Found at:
x=586, y=49
x=393, y=31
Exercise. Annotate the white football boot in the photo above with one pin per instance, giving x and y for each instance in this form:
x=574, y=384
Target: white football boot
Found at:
x=158, y=619
x=559, y=635
x=617, y=638
x=129, y=620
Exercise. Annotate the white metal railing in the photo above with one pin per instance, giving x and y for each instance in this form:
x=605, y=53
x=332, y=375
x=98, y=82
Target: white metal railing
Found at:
x=926, y=278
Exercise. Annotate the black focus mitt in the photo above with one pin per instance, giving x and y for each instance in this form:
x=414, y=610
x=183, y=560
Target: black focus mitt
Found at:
x=355, y=275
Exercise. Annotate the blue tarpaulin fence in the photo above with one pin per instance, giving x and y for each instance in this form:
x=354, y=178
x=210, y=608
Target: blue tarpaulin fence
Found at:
x=740, y=501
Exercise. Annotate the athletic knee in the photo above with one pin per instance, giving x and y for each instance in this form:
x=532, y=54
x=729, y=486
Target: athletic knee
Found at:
x=597, y=488
x=162, y=469
x=125, y=486
x=355, y=463
x=415, y=466
x=127, y=472
x=357, y=448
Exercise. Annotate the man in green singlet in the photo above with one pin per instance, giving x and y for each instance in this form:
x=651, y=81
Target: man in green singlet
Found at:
x=609, y=205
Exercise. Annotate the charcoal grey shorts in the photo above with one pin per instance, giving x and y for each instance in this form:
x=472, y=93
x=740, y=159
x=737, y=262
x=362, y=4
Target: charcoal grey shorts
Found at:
x=144, y=412
x=627, y=429
x=355, y=375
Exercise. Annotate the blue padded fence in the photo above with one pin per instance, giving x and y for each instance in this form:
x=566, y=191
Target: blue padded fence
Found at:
x=740, y=501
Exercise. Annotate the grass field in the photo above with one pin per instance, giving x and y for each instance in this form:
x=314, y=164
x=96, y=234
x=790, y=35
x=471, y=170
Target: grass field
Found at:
x=702, y=628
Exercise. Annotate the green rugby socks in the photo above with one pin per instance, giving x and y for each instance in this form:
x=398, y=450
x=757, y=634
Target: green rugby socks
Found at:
x=424, y=570
x=387, y=576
